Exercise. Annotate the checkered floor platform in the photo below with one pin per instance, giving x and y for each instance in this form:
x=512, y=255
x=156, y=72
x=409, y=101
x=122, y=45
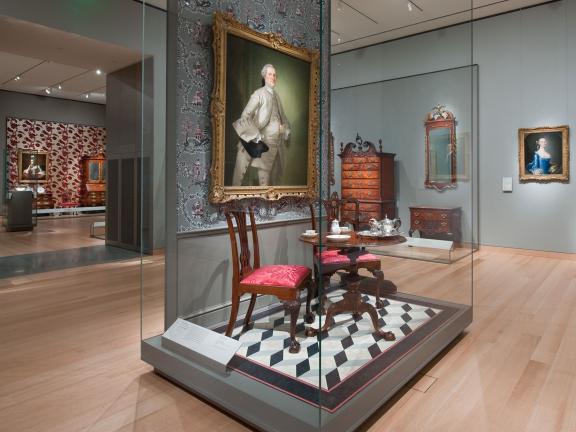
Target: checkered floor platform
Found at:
x=341, y=361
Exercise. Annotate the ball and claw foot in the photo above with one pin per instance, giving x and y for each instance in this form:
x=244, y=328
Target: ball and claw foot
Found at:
x=380, y=304
x=357, y=316
x=309, y=318
x=387, y=335
x=294, y=347
x=311, y=332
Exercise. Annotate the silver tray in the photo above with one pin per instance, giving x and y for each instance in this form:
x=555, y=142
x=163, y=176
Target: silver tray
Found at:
x=378, y=235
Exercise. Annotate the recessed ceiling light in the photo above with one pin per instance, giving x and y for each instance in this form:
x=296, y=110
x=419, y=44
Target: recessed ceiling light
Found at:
x=59, y=86
x=98, y=72
x=339, y=39
x=410, y=8
x=47, y=91
x=87, y=96
x=17, y=78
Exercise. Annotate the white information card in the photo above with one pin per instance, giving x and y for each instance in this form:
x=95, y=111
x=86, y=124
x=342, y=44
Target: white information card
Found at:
x=200, y=344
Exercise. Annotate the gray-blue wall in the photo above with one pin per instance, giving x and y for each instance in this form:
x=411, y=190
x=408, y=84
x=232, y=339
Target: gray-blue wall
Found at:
x=394, y=111
x=527, y=78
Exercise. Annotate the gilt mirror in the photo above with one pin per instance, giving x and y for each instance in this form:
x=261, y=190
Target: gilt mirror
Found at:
x=440, y=149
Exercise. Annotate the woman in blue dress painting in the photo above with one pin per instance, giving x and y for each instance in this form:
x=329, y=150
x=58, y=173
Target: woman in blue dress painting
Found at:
x=541, y=163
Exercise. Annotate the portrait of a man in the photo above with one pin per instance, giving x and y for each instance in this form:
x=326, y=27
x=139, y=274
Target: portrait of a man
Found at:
x=32, y=166
x=264, y=113
x=264, y=132
x=544, y=154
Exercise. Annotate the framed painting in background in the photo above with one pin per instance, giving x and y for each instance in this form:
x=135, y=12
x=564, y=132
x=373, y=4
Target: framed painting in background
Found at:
x=33, y=166
x=252, y=157
x=544, y=154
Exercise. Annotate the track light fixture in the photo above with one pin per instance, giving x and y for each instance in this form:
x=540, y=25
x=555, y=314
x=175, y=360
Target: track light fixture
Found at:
x=411, y=6
x=47, y=90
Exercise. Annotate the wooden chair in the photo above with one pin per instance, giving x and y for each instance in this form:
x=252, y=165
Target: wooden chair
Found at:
x=329, y=260
x=66, y=200
x=283, y=281
x=346, y=210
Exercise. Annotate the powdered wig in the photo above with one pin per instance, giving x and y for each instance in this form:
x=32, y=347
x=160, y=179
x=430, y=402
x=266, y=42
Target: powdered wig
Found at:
x=265, y=69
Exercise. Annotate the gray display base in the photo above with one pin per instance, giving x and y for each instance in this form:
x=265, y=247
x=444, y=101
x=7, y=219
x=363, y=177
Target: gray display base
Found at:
x=271, y=410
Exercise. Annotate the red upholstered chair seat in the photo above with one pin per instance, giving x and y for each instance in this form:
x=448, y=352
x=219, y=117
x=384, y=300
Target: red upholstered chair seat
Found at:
x=66, y=201
x=336, y=256
x=289, y=276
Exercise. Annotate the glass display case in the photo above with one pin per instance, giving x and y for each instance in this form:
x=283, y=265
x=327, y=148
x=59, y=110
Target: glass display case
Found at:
x=305, y=279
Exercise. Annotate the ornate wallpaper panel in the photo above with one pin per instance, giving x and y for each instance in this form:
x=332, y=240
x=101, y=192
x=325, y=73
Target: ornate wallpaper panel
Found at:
x=66, y=143
x=297, y=21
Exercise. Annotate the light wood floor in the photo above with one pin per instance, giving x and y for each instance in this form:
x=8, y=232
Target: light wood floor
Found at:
x=69, y=351
x=50, y=234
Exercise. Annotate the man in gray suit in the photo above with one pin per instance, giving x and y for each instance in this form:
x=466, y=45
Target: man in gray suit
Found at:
x=264, y=131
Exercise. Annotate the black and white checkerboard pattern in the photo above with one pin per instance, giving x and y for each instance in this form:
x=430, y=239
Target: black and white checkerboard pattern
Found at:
x=345, y=348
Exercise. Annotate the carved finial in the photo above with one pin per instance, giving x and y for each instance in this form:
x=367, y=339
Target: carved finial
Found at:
x=341, y=147
x=380, y=142
x=358, y=139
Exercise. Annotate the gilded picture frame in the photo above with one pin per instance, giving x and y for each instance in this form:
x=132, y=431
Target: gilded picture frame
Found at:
x=544, y=154
x=33, y=166
x=239, y=55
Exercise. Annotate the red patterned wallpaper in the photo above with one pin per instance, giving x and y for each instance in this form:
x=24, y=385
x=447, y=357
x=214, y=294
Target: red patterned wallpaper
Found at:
x=66, y=143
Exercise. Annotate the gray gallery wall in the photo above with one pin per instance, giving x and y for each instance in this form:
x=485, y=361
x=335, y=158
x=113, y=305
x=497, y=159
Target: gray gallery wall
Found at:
x=121, y=22
x=369, y=111
x=21, y=105
x=527, y=78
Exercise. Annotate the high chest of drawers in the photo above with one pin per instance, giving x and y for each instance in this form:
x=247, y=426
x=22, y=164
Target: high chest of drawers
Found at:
x=368, y=176
x=436, y=222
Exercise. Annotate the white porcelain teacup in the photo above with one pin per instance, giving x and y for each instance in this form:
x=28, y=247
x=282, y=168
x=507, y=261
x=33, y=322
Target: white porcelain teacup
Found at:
x=310, y=232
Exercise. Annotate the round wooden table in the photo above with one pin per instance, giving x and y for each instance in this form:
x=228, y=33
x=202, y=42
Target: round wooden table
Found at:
x=352, y=299
x=354, y=241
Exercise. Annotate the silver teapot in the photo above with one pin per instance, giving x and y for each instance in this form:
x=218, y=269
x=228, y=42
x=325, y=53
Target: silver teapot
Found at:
x=385, y=226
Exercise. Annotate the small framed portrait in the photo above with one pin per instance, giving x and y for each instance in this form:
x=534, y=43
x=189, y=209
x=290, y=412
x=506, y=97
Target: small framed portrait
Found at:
x=264, y=115
x=544, y=154
x=33, y=166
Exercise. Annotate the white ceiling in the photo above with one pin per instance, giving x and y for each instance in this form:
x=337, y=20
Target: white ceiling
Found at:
x=358, y=23
x=44, y=57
